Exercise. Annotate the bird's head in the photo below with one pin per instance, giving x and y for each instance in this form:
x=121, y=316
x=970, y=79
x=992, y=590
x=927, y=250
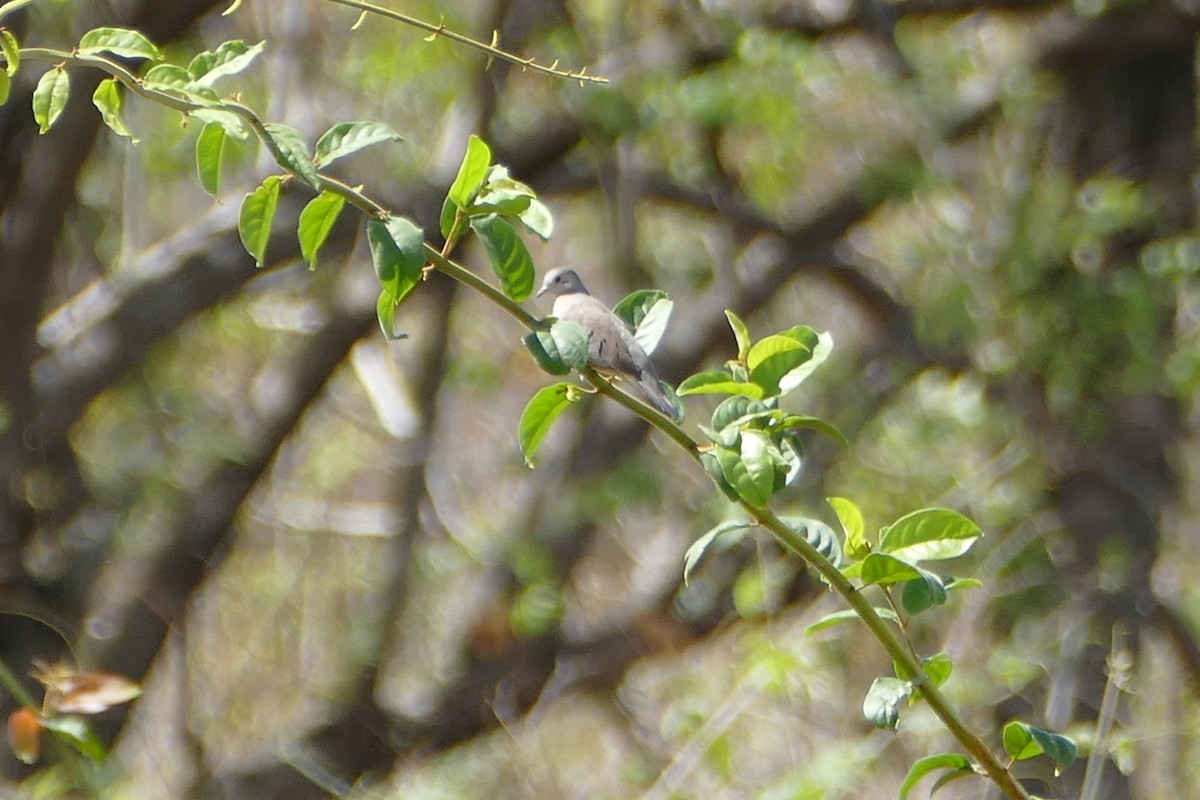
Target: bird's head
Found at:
x=561, y=281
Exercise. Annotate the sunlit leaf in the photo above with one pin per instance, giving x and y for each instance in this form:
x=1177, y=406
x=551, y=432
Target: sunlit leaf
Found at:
x=955, y=762
x=210, y=153
x=293, y=152
x=255, y=218
x=76, y=732
x=845, y=615
x=10, y=48
x=349, y=137
x=634, y=308
x=773, y=357
x=538, y=219
x=884, y=569
x=315, y=223
x=740, y=333
x=938, y=667
x=545, y=352
x=50, y=98
x=650, y=329
x=1022, y=741
x=229, y=58
x=5, y=87
x=397, y=253
x=232, y=124
x=819, y=535
x=508, y=255
x=471, y=172
x=715, y=382
x=881, y=706
x=805, y=421
x=928, y=535
x=539, y=414
x=120, y=42
x=820, y=352
x=856, y=546
x=107, y=99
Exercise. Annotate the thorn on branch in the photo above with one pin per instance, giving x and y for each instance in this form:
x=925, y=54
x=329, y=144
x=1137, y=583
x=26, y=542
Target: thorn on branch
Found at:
x=441, y=27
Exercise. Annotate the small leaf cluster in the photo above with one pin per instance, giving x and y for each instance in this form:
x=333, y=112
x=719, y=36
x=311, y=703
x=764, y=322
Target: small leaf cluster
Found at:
x=485, y=200
x=755, y=447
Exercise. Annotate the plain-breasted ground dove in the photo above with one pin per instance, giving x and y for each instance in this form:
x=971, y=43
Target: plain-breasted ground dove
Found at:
x=612, y=350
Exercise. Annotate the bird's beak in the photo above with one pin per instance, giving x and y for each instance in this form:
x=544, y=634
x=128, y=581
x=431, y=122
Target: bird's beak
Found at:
x=542, y=290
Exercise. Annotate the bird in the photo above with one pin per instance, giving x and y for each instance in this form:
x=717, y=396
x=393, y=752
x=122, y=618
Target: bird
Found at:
x=612, y=349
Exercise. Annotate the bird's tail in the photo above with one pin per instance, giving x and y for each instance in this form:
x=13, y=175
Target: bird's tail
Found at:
x=652, y=388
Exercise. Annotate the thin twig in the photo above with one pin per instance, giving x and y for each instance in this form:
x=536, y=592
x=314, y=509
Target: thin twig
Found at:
x=491, y=49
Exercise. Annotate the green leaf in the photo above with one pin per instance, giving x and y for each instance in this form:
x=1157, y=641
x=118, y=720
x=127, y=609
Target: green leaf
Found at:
x=923, y=593
x=930, y=534
x=232, y=124
x=538, y=219
x=634, y=308
x=449, y=216
x=693, y=554
x=818, y=534
x=397, y=253
x=293, y=152
x=210, y=153
x=805, y=421
x=107, y=99
x=167, y=76
x=881, y=706
x=5, y=85
x=885, y=569
x=962, y=583
x=471, y=172
x=773, y=357
x=541, y=346
x=955, y=762
x=741, y=334
x=751, y=470
x=845, y=615
x=120, y=42
x=255, y=218
x=508, y=255
x=737, y=410
x=229, y=58
x=572, y=342
x=716, y=382
x=316, y=221
x=385, y=312
x=650, y=330
x=938, y=667
x=10, y=48
x=50, y=98
x=539, y=414
x=500, y=194
x=76, y=732
x=820, y=352
x=350, y=137
x=712, y=465
x=1022, y=741
x=852, y=523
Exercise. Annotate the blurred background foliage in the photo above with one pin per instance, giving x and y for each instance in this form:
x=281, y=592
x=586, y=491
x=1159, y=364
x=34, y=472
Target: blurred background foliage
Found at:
x=322, y=553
